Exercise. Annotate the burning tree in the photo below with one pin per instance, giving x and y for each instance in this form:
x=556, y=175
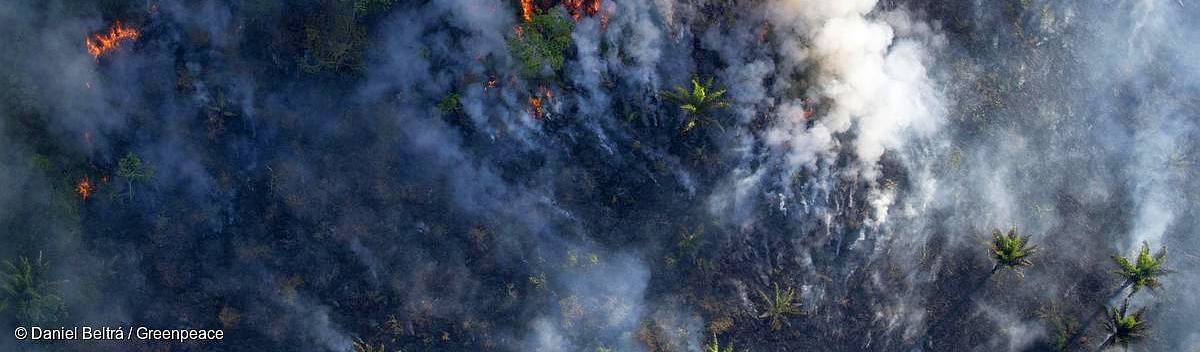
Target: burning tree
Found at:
x=582, y=8
x=535, y=106
x=527, y=10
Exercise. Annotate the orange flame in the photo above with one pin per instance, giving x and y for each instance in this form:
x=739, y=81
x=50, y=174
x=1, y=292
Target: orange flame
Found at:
x=573, y=7
x=580, y=8
x=101, y=43
x=491, y=83
x=536, y=107
x=527, y=10
x=84, y=188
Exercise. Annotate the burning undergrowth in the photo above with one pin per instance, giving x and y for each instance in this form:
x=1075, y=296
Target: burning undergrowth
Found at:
x=598, y=174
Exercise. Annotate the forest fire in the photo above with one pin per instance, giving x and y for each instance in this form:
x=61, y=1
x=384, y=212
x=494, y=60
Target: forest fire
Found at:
x=581, y=8
x=527, y=10
x=535, y=107
x=84, y=188
x=101, y=43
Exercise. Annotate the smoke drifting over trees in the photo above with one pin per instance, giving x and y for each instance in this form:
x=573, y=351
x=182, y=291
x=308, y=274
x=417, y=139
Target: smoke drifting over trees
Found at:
x=523, y=175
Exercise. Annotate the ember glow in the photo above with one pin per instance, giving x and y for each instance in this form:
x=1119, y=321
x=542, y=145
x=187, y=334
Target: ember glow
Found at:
x=535, y=107
x=101, y=43
x=603, y=175
x=84, y=188
x=527, y=10
x=581, y=8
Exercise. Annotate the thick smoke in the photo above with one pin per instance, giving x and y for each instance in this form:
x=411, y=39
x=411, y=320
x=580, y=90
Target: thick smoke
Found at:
x=871, y=74
x=328, y=172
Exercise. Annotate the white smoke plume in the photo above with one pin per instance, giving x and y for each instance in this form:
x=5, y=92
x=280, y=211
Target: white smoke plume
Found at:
x=869, y=73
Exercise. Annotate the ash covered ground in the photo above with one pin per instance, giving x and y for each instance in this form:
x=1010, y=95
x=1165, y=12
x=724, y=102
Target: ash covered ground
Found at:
x=602, y=175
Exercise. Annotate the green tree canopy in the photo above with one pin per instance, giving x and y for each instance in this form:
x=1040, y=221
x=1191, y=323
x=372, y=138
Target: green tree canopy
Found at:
x=1011, y=250
x=1145, y=270
x=131, y=168
x=699, y=103
x=1124, y=328
x=27, y=291
x=542, y=41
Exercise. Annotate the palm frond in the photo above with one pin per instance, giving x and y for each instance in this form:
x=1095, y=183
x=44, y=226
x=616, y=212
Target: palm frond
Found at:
x=1145, y=270
x=698, y=103
x=1011, y=250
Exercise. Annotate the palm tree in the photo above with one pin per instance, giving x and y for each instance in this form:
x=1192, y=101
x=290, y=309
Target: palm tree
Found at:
x=698, y=103
x=1145, y=271
x=1011, y=250
x=778, y=307
x=24, y=288
x=1124, y=328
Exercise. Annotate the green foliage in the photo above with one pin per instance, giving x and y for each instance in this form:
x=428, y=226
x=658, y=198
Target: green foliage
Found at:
x=366, y=6
x=131, y=168
x=333, y=41
x=715, y=346
x=1011, y=250
x=452, y=102
x=42, y=163
x=778, y=307
x=543, y=41
x=699, y=103
x=1064, y=328
x=1145, y=270
x=28, y=293
x=1124, y=328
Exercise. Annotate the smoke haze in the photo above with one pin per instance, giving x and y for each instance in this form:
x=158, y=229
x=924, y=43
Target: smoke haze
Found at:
x=397, y=173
